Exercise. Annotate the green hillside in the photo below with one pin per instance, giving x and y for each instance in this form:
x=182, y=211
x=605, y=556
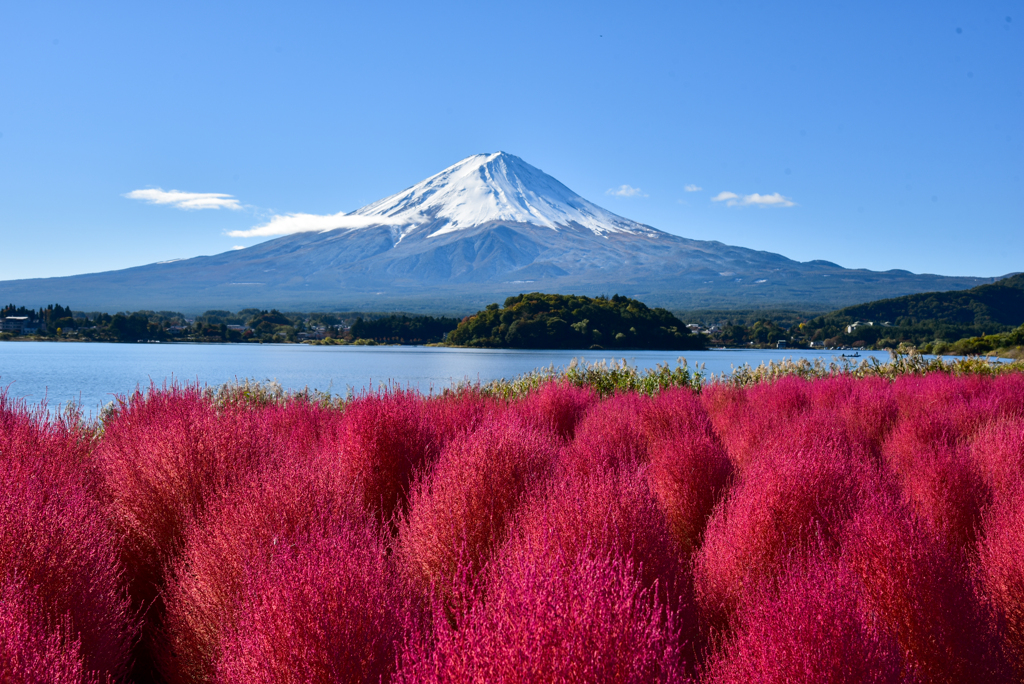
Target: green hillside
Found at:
x=548, y=321
x=923, y=319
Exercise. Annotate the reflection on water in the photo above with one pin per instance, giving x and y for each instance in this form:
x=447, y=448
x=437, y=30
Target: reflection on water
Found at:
x=93, y=373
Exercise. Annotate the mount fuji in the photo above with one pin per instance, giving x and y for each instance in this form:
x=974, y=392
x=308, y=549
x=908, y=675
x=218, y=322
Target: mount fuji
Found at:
x=488, y=227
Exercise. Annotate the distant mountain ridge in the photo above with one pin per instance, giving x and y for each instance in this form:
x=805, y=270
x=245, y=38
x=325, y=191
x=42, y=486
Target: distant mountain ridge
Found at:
x=488, y=227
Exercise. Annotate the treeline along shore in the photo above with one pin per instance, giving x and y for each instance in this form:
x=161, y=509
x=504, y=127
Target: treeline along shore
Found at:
x=985, y=320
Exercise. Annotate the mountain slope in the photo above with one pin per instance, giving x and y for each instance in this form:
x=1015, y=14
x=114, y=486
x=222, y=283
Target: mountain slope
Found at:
x=486, y=228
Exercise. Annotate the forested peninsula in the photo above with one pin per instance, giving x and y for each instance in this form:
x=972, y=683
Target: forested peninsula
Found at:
x=553, y=321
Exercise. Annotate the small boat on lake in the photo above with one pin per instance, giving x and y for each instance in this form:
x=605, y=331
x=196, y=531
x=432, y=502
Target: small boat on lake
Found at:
x=855, y=355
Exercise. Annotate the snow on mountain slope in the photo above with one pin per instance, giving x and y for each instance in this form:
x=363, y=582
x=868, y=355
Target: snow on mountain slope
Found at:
x=493, y=187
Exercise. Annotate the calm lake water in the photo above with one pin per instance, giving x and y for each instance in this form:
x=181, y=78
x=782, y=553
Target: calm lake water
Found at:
x=92, y=374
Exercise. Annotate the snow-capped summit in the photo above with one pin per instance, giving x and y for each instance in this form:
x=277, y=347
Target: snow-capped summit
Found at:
x=486, y=228
x=493, y=187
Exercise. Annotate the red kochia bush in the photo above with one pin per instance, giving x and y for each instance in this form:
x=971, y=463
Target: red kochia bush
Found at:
x=452, y=414
x=809, y=626
x=557, y=406
x=553, y=619
x=998, y=452
x=459, y=510
x=612, y=511
x=374, y=449
x=689, y=468
x=56, y=544
x=162, y=456
x=922, y=594
x=745, y=417
x=784, y=498
x=328, y=608
x=929, y=455
x=610, y=435
x=1001, y=565
x=242, y=531
x=31, y=651
x=866, y=407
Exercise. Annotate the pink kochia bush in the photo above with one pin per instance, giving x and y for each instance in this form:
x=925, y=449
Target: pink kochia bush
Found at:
x=459, y=509
x=921, y=592
x=554, y=619
x=557, y=406
x=238, y=538
x=610, y=435
x=829, y=530
x=31, y=650
x=1001, y=566
x=326, y=608
x=56, y=545
x=601, y=513
x=789, y=496
x=689, y=469
x=810, y=625
x=376, y=447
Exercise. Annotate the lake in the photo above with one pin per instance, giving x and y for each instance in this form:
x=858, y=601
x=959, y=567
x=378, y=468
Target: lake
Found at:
x=92, y=374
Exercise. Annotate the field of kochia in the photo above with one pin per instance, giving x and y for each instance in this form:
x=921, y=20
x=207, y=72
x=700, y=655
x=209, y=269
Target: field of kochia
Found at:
x=838, y=529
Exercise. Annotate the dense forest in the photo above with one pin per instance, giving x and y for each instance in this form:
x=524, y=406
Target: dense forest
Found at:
x=925, y=319
x=248, y=325
x=551, y=321
x=403, y=329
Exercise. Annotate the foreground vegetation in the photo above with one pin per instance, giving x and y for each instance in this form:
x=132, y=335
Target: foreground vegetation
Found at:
x=598, y=524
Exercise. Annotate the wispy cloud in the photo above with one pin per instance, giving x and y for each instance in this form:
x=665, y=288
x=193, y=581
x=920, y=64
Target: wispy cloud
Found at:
x=625, y=191
x=185, y=200
x=731, y=199
x=287, y=224
x=693, y=188
x=237, y=247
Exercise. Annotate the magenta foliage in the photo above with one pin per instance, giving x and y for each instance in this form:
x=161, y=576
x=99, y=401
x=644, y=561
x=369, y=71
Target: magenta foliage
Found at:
x=866, y=406
x=55, y=541
x=376, y=446
x=326, y=608
x=785, y=498
x=452, y=414
x=242, y=531
x=745, y=418
x=31, y=651
x=998, y=452
x=1001, y=567
x=929, y=455
x=689, y=469
x=553, y=619
x=922, y=593
x=459, y=510
x=163, y=455
x=557, y=406
x=611, y=511
x=611, y=435
x=811, y=625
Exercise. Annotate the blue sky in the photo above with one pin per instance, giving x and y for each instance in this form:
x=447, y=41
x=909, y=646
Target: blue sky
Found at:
x=895, y=131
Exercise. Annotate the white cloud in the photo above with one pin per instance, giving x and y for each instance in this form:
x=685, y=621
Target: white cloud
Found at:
x=287, y=224
x=185, y=200
x=693, y=188
x=238, y=247
x=731, y=199
x=625, y=191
